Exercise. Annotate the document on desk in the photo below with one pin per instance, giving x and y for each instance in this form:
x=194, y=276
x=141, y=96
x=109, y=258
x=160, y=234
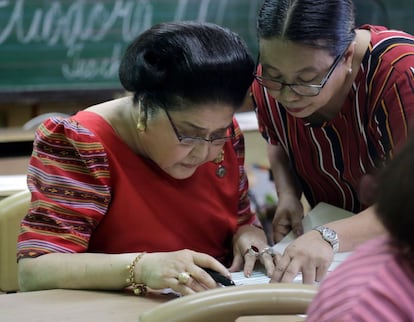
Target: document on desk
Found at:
x=319, y=215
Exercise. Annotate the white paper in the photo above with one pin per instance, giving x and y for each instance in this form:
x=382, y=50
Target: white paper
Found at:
x=321, y=214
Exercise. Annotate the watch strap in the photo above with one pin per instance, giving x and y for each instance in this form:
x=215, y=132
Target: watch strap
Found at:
x=330, y=236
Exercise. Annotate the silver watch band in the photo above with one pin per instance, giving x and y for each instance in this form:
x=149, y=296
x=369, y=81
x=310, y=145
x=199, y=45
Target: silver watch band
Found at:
x=330, y=236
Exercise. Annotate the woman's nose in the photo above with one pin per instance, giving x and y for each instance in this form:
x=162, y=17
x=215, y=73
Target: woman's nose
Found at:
x=288, y=95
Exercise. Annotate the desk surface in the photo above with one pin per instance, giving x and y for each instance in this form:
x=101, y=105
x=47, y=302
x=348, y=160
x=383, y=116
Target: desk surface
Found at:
x=80, y=306
x=72, y=305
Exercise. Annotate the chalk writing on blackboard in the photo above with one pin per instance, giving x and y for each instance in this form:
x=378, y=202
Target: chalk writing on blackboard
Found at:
x=69, y=43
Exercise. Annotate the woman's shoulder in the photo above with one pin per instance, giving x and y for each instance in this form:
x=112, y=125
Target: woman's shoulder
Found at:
x=384, y=39
x=63, y=138
x=388, y=56
x=69, y=128
x=383, y=31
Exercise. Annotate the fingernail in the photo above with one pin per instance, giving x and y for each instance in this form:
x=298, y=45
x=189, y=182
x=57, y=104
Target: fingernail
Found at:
x=298, y=232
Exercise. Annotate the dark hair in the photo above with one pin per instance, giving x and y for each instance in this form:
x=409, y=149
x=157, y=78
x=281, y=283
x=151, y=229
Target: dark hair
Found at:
x=325, y=24
x=177, y=62
x=395, y=201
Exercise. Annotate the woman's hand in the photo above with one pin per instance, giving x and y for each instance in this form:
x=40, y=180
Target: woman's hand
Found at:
x=308, y=254
x=246, y=237
x=162, y=270
x=288, y=216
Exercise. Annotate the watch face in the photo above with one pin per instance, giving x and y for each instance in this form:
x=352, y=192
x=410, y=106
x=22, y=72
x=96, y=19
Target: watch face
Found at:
x=329, y=234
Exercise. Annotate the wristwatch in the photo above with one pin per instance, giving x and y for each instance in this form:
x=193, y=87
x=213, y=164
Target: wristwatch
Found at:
x=329, y=236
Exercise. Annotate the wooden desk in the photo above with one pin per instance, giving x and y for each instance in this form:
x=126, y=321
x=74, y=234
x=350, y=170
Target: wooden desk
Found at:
x=72, y=305
x=87, y=306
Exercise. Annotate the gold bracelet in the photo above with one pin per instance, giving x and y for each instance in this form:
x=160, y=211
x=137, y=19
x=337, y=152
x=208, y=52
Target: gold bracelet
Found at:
x=138, y=288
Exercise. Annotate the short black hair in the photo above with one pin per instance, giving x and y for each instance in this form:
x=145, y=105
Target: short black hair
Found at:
x=178, y=62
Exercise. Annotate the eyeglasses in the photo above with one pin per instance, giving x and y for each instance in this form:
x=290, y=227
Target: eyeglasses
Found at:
x=299, y=89
x=193, y=140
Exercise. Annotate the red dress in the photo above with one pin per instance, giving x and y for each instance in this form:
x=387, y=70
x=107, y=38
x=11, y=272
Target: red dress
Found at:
x=91, y=193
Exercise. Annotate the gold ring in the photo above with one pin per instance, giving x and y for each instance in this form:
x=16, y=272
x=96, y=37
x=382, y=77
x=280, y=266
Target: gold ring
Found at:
x=183, y=277
x=252, y=250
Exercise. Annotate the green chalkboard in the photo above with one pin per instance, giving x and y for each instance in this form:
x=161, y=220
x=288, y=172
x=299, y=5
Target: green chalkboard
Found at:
x=52, y=45
x=62, y=45
x=396, y=14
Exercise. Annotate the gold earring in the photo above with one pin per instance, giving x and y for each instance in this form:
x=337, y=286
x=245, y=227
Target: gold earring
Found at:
x=142, y=118
x=141, y=127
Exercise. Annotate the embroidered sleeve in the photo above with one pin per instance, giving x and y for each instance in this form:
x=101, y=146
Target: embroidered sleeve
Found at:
x=68, y=177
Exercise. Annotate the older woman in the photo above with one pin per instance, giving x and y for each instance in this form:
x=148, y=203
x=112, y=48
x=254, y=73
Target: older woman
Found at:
x=149, y=189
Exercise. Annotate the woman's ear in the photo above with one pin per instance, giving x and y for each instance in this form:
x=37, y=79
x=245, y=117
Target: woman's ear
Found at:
x=349, y=55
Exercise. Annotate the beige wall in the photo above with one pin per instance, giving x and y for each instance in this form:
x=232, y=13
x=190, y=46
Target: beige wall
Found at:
x=255, y=149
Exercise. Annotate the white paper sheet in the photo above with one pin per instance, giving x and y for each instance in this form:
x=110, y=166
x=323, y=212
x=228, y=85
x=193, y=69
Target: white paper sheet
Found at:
x=321, y=214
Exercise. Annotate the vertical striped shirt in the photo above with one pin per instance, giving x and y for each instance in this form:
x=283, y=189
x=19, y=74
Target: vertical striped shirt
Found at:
x=330, y=159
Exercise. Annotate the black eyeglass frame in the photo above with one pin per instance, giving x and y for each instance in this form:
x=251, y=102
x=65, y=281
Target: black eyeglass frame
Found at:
x=193, y=140
x=317, y=87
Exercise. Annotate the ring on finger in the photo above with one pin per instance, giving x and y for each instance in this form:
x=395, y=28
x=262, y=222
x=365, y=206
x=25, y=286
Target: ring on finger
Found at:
x=267, y=250
x=252, y=251
x=183, y=277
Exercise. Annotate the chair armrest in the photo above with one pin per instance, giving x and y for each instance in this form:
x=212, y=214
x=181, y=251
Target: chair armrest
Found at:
x=229, y=303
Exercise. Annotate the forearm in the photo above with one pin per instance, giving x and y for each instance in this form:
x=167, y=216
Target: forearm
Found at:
x=75, y=271
x=282, y=176
x=357, y=229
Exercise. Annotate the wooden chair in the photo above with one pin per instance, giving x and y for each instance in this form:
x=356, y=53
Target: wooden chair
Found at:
x=229, y=303
x=12, y=210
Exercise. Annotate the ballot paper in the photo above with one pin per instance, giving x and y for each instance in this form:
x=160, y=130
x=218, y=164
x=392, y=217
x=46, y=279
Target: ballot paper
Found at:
x=319, y=215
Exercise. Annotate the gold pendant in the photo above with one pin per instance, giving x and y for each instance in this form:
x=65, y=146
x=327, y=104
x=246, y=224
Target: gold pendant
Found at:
x=221, y=170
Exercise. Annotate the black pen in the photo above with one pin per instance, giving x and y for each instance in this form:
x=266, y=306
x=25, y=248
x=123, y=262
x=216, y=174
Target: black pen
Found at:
x=219, y=278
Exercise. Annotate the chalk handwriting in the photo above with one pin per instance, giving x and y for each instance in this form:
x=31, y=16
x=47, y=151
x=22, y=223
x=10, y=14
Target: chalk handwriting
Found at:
x=74, y=28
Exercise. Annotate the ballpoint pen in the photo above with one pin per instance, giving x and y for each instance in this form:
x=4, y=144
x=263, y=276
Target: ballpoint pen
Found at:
x=219, y=278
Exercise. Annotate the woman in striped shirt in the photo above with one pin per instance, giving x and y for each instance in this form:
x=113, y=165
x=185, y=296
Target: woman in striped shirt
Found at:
x=334, y=102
